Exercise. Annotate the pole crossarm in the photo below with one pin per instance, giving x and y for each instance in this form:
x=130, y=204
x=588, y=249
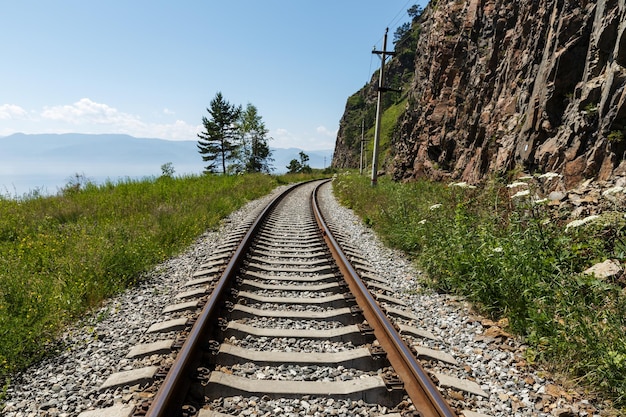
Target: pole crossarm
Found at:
x=385, y=89
x=390, y=53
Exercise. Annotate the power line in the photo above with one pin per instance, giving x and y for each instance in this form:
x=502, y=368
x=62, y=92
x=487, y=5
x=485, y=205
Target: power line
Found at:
x=399, y=15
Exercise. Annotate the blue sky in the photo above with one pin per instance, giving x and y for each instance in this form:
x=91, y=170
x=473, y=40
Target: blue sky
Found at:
x=150, y=68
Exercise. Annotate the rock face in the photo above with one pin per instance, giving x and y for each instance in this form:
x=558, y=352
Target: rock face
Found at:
x=531, y=84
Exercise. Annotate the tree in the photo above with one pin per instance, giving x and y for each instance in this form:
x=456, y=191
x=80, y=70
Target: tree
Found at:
x=294, y=167
x=405, y=33
x=253, y=152
x=401, y=32
x=167, y=170
x=415, y=11
x=216, y=142
x=301, y=166
x=304, y=162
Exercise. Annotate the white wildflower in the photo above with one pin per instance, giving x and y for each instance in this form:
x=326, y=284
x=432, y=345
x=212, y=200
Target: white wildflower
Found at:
x=434, y=207
x=517, y=184
x=422, y=221
x=498, y=249
x=461, y=185
x=580, y=222
x=521, y=194
x=549, y=175
x=613, y=190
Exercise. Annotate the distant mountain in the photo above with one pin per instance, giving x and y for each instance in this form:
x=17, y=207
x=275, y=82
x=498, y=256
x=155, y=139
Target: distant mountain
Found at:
x=46, y=162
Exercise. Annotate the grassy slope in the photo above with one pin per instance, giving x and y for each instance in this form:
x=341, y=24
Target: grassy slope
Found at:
x=62, y=255
x=513, y=260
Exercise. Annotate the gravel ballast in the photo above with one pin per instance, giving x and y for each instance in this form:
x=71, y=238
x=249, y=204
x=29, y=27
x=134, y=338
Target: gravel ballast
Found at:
x=67, y=383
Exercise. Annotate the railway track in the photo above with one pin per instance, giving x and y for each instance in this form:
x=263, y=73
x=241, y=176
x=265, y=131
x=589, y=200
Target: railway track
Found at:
x=285, y=312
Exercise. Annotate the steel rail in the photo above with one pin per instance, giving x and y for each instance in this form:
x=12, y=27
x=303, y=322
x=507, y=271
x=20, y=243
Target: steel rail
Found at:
x=169, y=399
x=417, y=384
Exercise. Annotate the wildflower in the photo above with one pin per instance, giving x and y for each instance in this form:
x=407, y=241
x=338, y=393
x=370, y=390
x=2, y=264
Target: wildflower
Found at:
x=517, y=184
x=422, y=221
x=434, y=206
x=580, y=222
x=549, y=175
x=497, y=249
x=461, y=185
x=613, y=190
x=521, y=194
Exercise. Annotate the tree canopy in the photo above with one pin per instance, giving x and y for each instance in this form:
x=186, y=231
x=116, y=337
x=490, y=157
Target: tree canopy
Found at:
x=253, y=154
x=302, y=165
x=216, y=141
x=234, y=138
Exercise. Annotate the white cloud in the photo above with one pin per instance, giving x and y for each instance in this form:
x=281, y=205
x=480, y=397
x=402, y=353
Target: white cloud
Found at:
x=282, y=138
x=323, y=130
x=88, y=111
x=88, y=116
x=321, y=138
x=11, y=111
x=179, y=130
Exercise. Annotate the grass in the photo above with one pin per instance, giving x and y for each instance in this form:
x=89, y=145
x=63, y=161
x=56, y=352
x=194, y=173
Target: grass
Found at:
x=388, y=122
x=515, y=259
x=63, y=255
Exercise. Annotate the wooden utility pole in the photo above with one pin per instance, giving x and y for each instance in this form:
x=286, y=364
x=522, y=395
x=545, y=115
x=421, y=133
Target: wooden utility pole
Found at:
x=361, y=165
x=381, y=89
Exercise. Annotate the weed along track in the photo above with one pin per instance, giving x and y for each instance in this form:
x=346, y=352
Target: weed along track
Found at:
x=286, y=318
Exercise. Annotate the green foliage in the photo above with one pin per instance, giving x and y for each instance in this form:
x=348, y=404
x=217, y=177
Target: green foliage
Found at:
x=253, y=152
x=401, y=31
x=389, y=120
x=355, y=102
x=360, y=109
x=216, y=142
x=505, y=255
x=167, y=170
x=616, y=136
x=236, y=138
x=415, y=11
x=591, y=110
x=301, y=166
x=62, y=255
x=388, y=123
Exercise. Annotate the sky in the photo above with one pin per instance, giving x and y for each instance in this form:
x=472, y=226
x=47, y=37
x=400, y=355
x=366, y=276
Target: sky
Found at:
x=150, y=68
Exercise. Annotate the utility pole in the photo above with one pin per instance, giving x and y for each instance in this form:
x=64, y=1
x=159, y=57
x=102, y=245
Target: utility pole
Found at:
x=379, y=104
x=362, y=143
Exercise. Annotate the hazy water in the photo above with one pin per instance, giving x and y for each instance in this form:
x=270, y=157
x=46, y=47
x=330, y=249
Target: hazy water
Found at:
x=51, y=181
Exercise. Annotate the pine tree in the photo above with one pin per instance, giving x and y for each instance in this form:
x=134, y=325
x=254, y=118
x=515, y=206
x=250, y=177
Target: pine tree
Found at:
x=216, y=144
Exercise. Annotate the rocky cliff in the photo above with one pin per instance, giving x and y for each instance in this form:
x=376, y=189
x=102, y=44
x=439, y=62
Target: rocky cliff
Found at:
x=497, y=85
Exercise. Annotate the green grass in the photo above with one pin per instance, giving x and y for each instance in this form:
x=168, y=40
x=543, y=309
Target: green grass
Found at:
x=512, y=258
x=388, y=122
x=62, y=255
